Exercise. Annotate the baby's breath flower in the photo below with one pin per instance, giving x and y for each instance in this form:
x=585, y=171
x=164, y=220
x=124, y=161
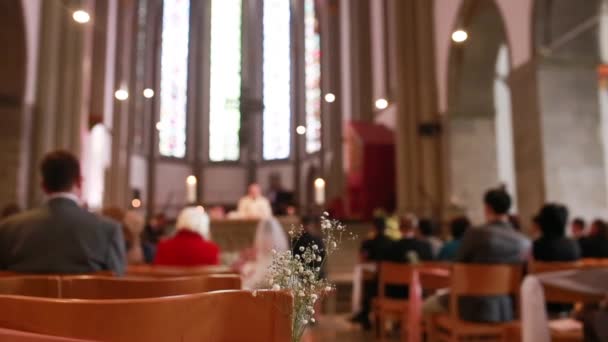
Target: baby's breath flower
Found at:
x=301, y=294
x=312, y=320
x=254, y=293
x=302, y=248
x=276, y=287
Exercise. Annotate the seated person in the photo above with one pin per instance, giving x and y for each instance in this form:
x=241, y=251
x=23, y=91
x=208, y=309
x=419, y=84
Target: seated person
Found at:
x=60, y=236
x=553, y=245
x=458, y=227
x=280, y=199
x=254, y=205
x=138, y=250
x=596, y=244
x=375, y=248
x=407, y=250
x=494, y=243
x=578, y=228
x=191, y=246
x=310, y=236
x=427, y=232
x=156, y=229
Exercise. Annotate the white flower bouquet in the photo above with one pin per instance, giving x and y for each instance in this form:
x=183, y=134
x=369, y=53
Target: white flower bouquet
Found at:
x=299, y=272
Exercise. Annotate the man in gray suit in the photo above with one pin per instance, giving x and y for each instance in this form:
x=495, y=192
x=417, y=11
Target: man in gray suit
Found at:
x=61, y=237
x=496, y=242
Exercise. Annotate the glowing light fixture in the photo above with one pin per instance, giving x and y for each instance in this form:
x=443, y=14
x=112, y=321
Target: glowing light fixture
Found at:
x=301, y=130
x=381, y=104
x=330, y=98
x=81, y=17
x=460, y=36
x=121, y=94
x=136, y=203
x=148, y=93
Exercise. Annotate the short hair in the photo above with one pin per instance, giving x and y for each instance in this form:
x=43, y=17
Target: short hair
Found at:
x=599, y=228
x=552, y=219
x=498, y=200
x=426, y=227
x=60, y=171
x=579, y=221
x=458, y=226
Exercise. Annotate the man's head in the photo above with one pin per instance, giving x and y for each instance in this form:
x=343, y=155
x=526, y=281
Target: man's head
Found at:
x=254, y=190
x=578, y=227
x=426, y=227
x=408, y=224
x=497, y=204
x=60, y=172
x=459, y=226
x=552, y=219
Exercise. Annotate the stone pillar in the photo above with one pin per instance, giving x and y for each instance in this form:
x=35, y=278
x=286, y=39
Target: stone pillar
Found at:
x=527, y=136
x=117, y=182
x=420, y=163
x=332, y=161
x=61, y=113
x=360, y=60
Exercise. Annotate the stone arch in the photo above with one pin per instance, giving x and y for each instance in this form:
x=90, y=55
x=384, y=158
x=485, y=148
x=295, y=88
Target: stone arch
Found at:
x=13, y=66
x=567, y=48
x=472, y=106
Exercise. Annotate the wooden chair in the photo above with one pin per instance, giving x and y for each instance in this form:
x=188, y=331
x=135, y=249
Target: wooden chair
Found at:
x=172, y=271
x=88, y=287
x=478, y=280
x=536, y=267
x=214, y=317
x=20, y=336
x=393, y=274
x=34, y=286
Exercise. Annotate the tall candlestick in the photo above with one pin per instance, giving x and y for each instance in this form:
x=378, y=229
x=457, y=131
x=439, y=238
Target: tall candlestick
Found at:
x=319, y=191
x=191, y=189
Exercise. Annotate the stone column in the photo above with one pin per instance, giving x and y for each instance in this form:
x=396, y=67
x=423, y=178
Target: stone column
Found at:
x=61, y=114
x=420, y=164
x=360, y=60
x=527, y=137
x=117, y=183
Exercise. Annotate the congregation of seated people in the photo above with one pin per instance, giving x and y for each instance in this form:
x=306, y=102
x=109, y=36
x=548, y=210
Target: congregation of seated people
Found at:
x=497, y=241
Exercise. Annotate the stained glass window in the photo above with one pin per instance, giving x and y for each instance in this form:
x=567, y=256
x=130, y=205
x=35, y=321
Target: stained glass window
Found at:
x=174, y=78
x=277, y=80
x=225, y=80
x=312, y=59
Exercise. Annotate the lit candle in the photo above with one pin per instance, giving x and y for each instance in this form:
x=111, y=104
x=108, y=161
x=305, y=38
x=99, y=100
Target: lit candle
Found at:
x=191, y=189
x=319, y=191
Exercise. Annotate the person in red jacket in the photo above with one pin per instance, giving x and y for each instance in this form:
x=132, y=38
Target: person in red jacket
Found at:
x=191, y=245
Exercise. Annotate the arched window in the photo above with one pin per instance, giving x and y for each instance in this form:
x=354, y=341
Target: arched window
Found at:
x=225, y=80
x=312, y=59
x=174, y=78
x=277, y=79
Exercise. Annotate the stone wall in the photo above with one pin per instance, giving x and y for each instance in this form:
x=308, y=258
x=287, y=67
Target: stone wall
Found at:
x=572, y=144
x=473, y=162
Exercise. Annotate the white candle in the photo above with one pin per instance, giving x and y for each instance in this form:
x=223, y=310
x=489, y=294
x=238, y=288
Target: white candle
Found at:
x=319, y=191
x=191, y=189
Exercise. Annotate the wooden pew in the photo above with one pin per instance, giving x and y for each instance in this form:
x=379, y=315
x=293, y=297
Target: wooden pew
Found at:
x=214, y=317
x=90, y=287
x=172, y=271
x=34, y=286
x=20, y=336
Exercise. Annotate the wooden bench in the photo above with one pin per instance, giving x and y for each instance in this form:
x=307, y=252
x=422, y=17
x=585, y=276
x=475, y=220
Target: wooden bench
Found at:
x=173, y=271
x=214, y=317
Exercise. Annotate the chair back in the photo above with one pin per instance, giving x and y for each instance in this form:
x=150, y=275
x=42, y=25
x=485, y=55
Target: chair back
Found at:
x=434, y=275
x=215, y=317
x=594, y=262
x=391, y=273
x=34, y=286
x=483, y=280
x=174, y=271
x=537, y=267
x=90, y=287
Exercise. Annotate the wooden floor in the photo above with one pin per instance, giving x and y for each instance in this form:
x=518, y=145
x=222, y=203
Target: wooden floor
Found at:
x=337, y=328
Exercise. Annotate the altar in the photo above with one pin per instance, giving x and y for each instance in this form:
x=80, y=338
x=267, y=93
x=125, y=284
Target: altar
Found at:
x=235, y=235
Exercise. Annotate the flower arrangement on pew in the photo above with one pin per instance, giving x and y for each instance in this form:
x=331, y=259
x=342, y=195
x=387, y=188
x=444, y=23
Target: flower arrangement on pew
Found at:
x=300, y=272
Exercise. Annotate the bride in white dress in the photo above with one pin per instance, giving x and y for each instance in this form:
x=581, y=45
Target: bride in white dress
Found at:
x=255, y=264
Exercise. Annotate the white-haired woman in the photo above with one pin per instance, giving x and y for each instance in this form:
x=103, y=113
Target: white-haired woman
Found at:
x=191, y=246
x=268, y=236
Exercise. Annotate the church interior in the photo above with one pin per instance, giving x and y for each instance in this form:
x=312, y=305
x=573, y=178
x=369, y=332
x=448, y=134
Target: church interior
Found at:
x=400, y=123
